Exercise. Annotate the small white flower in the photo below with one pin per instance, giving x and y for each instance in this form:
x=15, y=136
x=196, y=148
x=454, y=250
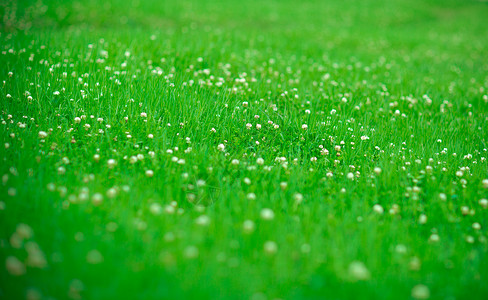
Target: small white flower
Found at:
x=358, y=271
x=378, y=209
x=267, y=214
x=434, y=238
x=61, y=170
x=484, y=182
x=283, y=185
x=483, y=203
x=111, y=163
x=191, y=252
x=251, y=196
x=420, y=292
x=422, y=219
x=97, y=199
x=248, y=226
x=270, y=247
x=202, y=220
x=298, y=198
x=156, y=209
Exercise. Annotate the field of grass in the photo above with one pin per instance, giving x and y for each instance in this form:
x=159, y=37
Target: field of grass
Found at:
x=244, y=149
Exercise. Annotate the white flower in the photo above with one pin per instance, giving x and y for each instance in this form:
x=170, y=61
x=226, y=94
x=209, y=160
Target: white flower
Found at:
x=202, y=220
x=155, y=209
x=304, y=126
x=267, y=214
x=149, y=173
x=111, y=163
x=97, y=199
x=260, y=161
x=483, y=203
x=270, y=247
x=235, y=162
x=248, y=226
x=484, y=182
x=61, y=170
x=42, y=134
x=298, y=197
x=191, y=252
x=434, y=238
x=378, y=209
x=221, y=147
x=283, y=185
x=422, y=219
x=420, y=292
x=111, y=192
x=358, y=271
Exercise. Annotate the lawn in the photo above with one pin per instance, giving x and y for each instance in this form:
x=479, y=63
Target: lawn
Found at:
x=244, y=149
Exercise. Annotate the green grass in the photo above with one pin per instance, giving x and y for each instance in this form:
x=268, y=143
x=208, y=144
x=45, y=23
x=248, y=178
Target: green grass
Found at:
x=401, y=86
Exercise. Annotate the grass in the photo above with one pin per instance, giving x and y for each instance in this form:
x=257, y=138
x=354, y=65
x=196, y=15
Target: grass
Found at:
x=133, y=166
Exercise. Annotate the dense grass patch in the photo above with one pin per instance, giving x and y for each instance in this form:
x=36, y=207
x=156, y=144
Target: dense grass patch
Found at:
x=243, y=149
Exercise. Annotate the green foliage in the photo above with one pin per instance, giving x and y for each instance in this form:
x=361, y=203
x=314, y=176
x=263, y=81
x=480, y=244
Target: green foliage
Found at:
x=243, y=149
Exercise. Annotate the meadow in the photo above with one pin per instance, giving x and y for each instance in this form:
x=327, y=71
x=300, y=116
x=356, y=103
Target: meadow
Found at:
x=244, y=149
